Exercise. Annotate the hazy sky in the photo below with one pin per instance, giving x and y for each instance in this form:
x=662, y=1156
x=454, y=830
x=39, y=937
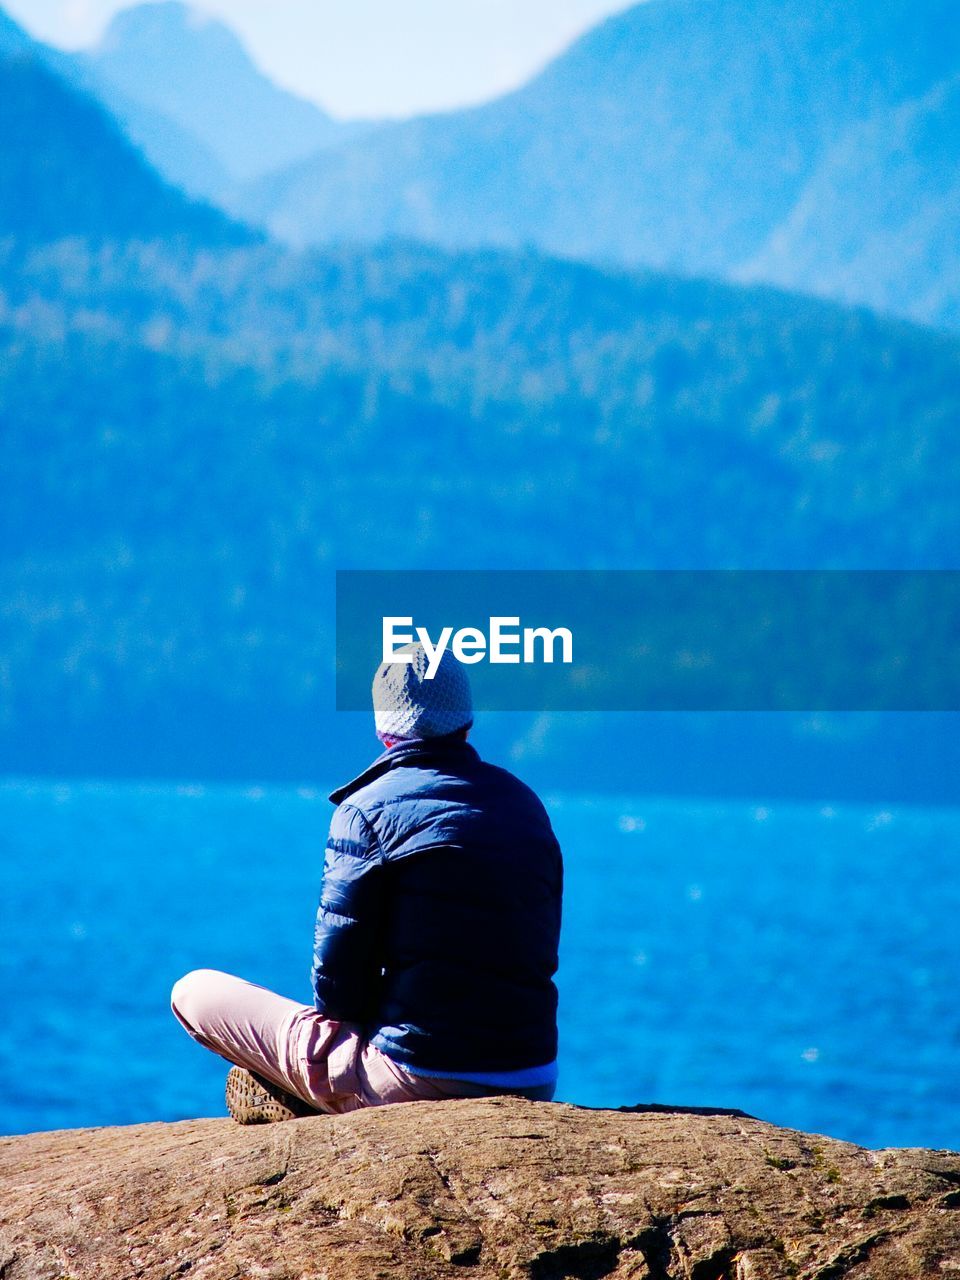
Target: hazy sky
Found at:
x=368, y=57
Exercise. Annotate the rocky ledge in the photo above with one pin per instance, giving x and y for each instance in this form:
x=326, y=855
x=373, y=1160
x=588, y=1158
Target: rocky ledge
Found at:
x=484, y=1190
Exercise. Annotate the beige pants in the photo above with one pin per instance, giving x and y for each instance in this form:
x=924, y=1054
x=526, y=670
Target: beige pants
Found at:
x=326, y=1063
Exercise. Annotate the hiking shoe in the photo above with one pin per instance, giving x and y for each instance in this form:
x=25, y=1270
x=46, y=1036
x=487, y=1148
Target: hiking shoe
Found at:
x=253, y=1100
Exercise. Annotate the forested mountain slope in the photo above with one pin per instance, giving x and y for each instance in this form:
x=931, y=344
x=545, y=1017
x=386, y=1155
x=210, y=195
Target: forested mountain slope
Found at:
x=194, y=441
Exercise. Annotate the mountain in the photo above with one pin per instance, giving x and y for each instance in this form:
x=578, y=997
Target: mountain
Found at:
x=698, y=424
x=173, y=150
x=193, y=442
x=879, y=221
x=174, y=62
x=681, y=134
x=67, y=169
x=112, y=193
x=13, y=38
x=197, y=429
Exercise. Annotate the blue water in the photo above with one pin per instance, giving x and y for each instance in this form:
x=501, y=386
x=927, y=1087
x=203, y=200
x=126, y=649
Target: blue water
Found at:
x=798, y=962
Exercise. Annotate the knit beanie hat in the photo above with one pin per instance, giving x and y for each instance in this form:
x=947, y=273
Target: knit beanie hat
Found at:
x=408, y=705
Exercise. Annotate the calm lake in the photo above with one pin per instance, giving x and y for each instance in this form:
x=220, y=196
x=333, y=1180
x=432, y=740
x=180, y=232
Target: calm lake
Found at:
x=799, y=962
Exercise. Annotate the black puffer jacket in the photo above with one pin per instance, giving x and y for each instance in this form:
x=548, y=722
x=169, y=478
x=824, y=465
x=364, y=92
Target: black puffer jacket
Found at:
x=439, y=916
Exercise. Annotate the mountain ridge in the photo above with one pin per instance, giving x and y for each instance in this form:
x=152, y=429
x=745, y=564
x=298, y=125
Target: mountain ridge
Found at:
x=902, y=162
x=47, y=122
x=176, y=153
x=188, y=132
x=195, y=71
x=678, y=135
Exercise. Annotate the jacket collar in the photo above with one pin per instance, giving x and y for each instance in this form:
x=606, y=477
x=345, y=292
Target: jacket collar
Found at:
x=424, y=753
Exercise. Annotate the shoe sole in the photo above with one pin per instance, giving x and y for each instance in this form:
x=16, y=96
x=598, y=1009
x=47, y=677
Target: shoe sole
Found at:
x=251, y=1102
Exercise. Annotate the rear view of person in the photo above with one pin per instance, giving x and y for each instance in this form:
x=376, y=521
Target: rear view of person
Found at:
x=436, y=937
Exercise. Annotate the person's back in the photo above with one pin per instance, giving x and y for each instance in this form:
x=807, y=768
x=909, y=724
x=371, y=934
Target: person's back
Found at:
x=436, y=937
x=452, y=866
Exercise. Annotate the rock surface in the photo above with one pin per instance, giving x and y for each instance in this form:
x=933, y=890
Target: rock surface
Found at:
x=487, y=1189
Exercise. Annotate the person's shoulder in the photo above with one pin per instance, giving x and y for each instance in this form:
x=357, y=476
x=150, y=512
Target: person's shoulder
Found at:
x=373, y=796
x=506, y=783
x=442, y=782
x=349, y=817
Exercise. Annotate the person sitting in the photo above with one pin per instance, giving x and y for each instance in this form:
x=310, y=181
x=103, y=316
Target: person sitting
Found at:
x=436, y=938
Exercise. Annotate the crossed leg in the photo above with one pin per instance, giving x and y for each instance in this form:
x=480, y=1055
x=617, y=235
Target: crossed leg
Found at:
x=287, y=1043
x=325, y=1063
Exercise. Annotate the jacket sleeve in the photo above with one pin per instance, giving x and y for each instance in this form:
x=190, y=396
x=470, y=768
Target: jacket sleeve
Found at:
x=346, y=954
